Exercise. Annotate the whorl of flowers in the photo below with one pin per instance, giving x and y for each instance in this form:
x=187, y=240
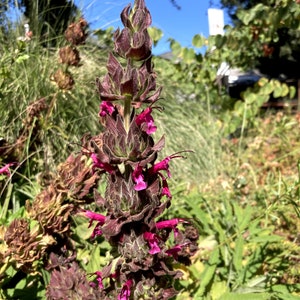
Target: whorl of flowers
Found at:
x=24, y=245
x=49, y=215
x=76, y=35
x=144, y=248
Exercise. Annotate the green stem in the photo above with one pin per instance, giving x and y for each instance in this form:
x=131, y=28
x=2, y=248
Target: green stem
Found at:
x=127, y=113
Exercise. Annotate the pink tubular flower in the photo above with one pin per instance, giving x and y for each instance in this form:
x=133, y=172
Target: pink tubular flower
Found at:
x=170, y=224
x=138, y=178
x=145, y=117
x=174, y=251
x=106, y=108
x=163, y=165
x=97, y=163
x=152, y=240
x=95, y=217
x=125, y=292
x=5, y=169
x=99, y=279
x=165, y=188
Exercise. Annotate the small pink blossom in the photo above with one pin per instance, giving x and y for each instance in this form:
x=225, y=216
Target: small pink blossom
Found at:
x=99, y=279
x=152, y=240
x=106, y=108
x=174, y=250
x=165, y=188
x=125, y=292
x=170, y=224
x=97, y=163
x=5, y=170
x=95, y=217
x=163, y=165
x=138, y=178
x=145, y=117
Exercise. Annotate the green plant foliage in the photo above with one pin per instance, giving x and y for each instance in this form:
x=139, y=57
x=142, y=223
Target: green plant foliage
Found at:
x=239, y=186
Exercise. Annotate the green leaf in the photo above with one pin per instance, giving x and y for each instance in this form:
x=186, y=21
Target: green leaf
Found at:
x=277, y=91
x=198, y=41
x=292, y=92
x=175, y=47
x=207, y=276
x=188, y=55
x=249, y=296
x=218, y=289
x=284, y=292
x=285, y=90
x=156, y=34
x=249, y=96
x=22, y=58
x=238, y=254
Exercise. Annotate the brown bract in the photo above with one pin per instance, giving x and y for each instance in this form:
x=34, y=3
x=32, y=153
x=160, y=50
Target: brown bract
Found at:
x=75, y=33
x=69, y=55
x=64, y=80
x=24, y=244
x=138, y=84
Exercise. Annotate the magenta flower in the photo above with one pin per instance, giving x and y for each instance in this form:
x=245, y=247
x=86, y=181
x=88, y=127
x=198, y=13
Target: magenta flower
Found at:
x=152, y=240
x=125, y=292
x=97, y=163
x=95, y=217
x=145, y=118
x=165, y=188
x=99, y=279
x=138, y=178
x=170, y=224
x=174, y=251
x=106, y=108
x=5, y=169
x=163, y=165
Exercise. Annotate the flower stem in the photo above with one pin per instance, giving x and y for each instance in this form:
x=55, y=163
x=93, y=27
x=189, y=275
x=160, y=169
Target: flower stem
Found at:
x=127, y=113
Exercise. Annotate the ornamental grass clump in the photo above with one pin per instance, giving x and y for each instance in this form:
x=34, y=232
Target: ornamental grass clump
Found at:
x=137, y=194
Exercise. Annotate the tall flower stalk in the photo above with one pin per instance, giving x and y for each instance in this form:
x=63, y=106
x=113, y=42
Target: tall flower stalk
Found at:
x=137, y=191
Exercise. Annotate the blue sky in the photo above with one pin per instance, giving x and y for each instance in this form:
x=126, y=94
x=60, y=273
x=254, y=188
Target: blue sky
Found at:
x=181, y=25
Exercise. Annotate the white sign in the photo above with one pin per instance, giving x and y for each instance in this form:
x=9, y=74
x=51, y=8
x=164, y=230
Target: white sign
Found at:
x=215, y=21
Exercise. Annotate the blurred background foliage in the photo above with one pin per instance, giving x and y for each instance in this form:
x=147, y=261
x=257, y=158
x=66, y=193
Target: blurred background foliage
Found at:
x=240, y=185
